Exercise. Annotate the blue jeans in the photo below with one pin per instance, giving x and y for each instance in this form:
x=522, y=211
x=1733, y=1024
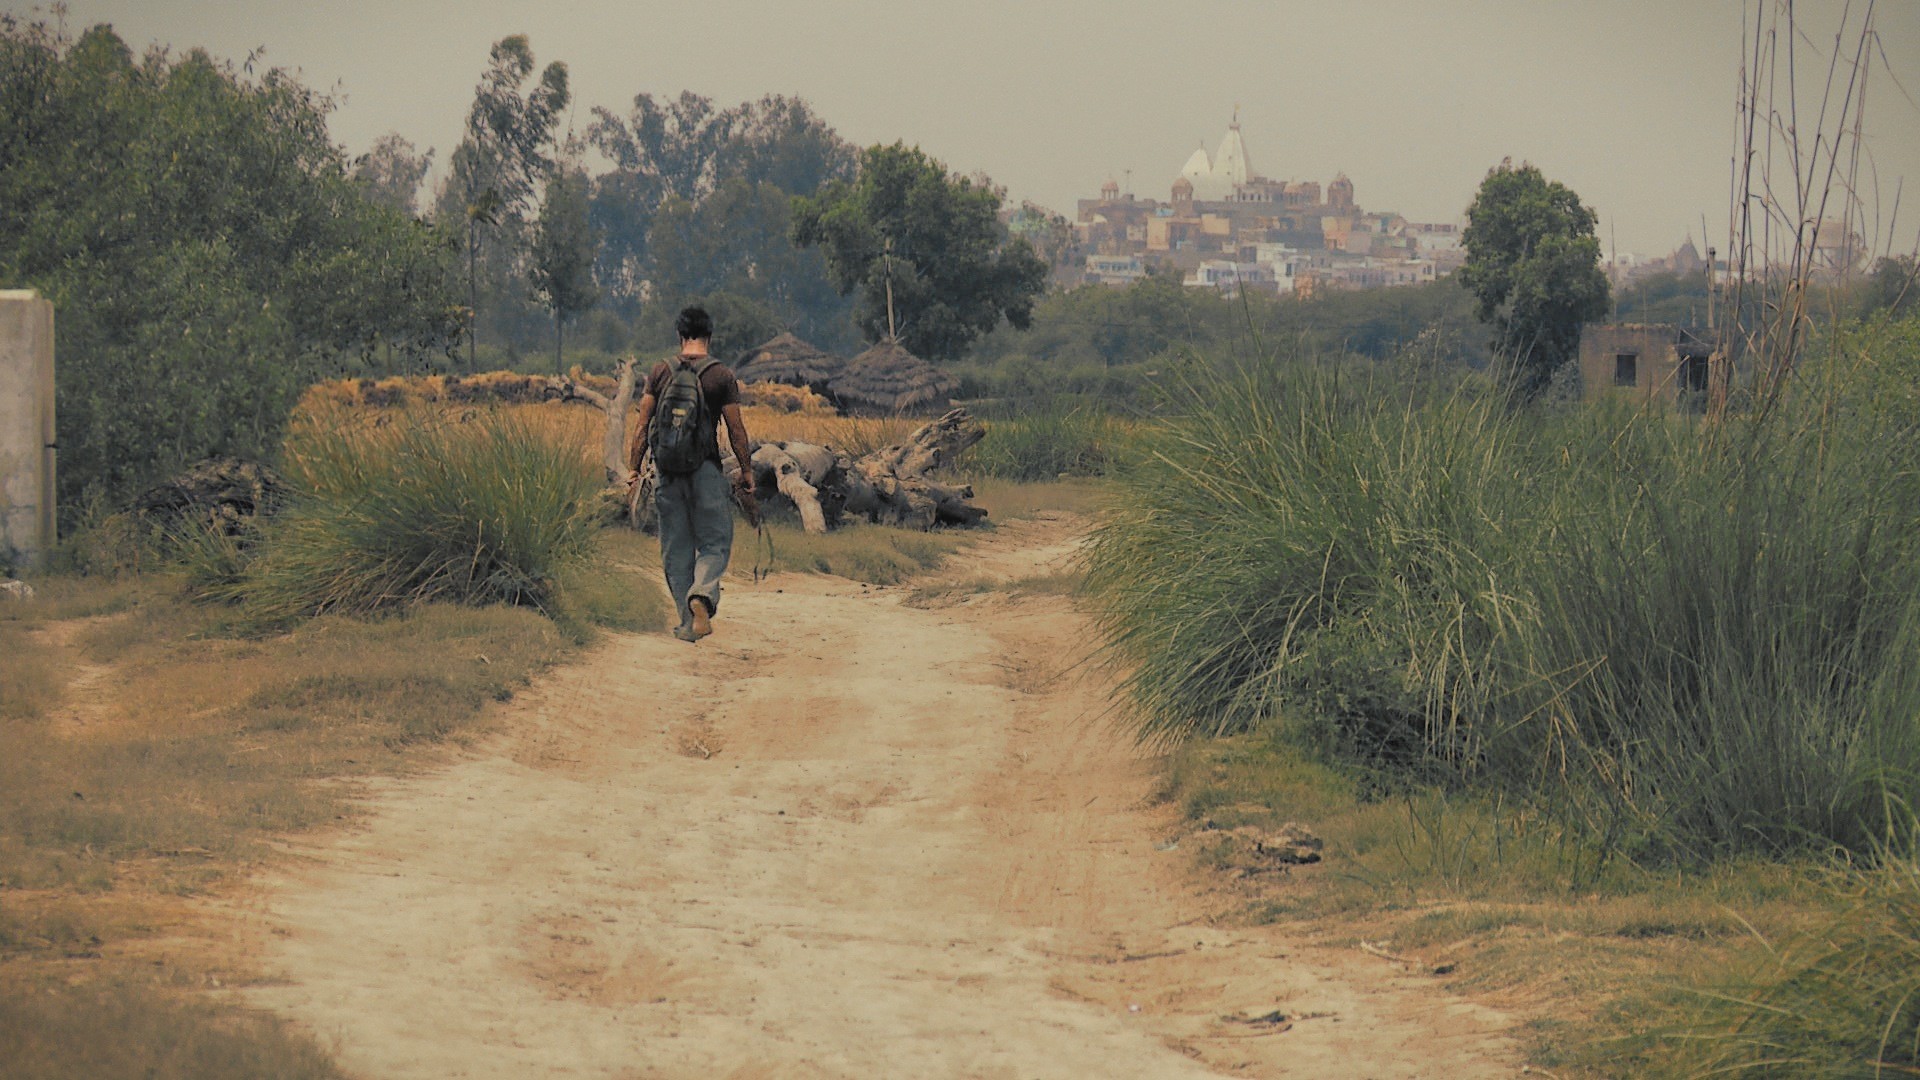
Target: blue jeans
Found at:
x=696, y=534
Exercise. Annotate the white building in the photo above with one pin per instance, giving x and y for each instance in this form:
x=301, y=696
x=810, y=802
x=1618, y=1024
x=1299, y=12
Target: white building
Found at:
x=1230, y=276
x=1115, y=269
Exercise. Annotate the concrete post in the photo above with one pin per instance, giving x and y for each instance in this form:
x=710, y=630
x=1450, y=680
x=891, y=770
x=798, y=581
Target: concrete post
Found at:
x=27, y=524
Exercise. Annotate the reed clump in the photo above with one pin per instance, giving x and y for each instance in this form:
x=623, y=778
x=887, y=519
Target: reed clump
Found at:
x=413, y=506
x=1688, y=639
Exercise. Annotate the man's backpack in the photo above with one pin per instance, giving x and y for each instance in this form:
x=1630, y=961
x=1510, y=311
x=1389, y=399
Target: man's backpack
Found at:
x=683, y=435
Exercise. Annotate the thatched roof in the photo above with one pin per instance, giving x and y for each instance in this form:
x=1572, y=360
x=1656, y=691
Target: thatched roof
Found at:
x=787, y=359
x=889, y=379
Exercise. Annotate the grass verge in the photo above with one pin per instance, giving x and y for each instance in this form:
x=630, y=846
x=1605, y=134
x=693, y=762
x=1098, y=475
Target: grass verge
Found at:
x=148, y=756
x=1615, y=969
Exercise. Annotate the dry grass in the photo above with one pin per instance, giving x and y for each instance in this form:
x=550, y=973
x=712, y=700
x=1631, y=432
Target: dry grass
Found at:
x=1504, y=905
x=171, y=738
x=856, y=435
x=942, y=594
x=56, y=1033
x=584, y=426
x=31, y=684
x=146, y=757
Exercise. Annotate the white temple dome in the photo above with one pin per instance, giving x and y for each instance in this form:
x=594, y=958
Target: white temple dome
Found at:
x=1198, y=170
x=1230, y=165
x=1215, y=179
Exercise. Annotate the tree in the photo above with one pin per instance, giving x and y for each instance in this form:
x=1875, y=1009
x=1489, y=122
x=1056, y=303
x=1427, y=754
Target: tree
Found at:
x=390, y=173
x=670, y=159
x=206, y=249
x=1894, y=286
x=498, y=167
x=1533, y=263
x=1050, y=234
x=736, y=241
x=563, y=251
x=934, y=265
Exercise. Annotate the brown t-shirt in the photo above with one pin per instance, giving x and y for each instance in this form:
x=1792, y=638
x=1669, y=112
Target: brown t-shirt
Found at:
x=718, y=382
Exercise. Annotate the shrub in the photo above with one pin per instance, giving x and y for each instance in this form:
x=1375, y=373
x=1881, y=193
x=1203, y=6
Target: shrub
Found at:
x=484, y=507
x=1691, y=639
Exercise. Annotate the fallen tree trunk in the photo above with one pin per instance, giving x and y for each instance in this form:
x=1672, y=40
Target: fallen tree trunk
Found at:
x=890, y=486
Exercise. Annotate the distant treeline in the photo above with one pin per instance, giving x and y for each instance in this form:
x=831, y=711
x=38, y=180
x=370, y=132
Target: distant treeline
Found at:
x=211, y=252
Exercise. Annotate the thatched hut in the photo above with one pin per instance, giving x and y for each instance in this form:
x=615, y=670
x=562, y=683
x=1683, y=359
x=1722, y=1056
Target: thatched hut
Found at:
x=786, y=359
x=889, y=380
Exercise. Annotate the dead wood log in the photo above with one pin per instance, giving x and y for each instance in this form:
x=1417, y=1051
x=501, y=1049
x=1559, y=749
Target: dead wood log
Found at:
x=779, y=464
x=613, y=444
x=221, y=492
x=931, y=446
x=890, y=486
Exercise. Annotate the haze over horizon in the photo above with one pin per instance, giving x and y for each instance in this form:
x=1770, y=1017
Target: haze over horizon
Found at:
x=1629, y=103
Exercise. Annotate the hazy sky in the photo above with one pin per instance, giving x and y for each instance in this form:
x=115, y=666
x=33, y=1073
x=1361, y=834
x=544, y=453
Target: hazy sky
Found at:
x=1627, y=101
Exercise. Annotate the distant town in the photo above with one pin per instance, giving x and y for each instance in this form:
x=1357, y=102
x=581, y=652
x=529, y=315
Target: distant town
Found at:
x=1225, y=226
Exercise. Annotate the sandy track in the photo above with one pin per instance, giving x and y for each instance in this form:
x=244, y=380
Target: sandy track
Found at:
x=845, y=837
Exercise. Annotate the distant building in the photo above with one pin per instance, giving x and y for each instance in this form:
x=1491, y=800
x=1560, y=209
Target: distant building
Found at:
x=1340, y=194
x=1221, y=211
x=1115, y=269
x=1230, y=277
x=1645, y=362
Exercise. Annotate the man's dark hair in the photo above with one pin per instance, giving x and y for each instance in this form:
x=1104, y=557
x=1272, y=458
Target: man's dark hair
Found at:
x=694, y=324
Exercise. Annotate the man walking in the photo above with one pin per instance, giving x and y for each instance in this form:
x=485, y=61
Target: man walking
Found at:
x=679, y=408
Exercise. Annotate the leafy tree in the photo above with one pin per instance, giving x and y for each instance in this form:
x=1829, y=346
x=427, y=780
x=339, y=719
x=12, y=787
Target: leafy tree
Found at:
x=933, y=263
x=1894, y=286
x=669, y=159
x=1050, y=234
x=736, y=241
x=563, y=252
x=390, y=173
x=1533, y=263
x=498, y=167
x=207, y=252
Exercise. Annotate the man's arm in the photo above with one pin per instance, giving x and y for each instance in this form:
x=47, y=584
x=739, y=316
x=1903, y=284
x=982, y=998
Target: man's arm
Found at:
x=637, y=449
x=737, y=436
x=743, y=482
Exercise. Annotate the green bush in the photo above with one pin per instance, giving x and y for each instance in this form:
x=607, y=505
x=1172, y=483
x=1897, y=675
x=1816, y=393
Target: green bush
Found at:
x=1691, y=639
x=477, y=509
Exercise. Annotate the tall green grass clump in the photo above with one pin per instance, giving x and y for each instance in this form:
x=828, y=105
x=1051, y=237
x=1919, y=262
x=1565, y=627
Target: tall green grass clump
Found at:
x=475, y=509
x=1046, y=443
x=1692, y=639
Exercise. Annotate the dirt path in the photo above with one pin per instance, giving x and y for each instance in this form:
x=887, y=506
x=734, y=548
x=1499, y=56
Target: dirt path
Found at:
x=890, y=841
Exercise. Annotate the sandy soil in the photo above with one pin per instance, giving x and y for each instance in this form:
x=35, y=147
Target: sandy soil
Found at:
x=844, y=837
